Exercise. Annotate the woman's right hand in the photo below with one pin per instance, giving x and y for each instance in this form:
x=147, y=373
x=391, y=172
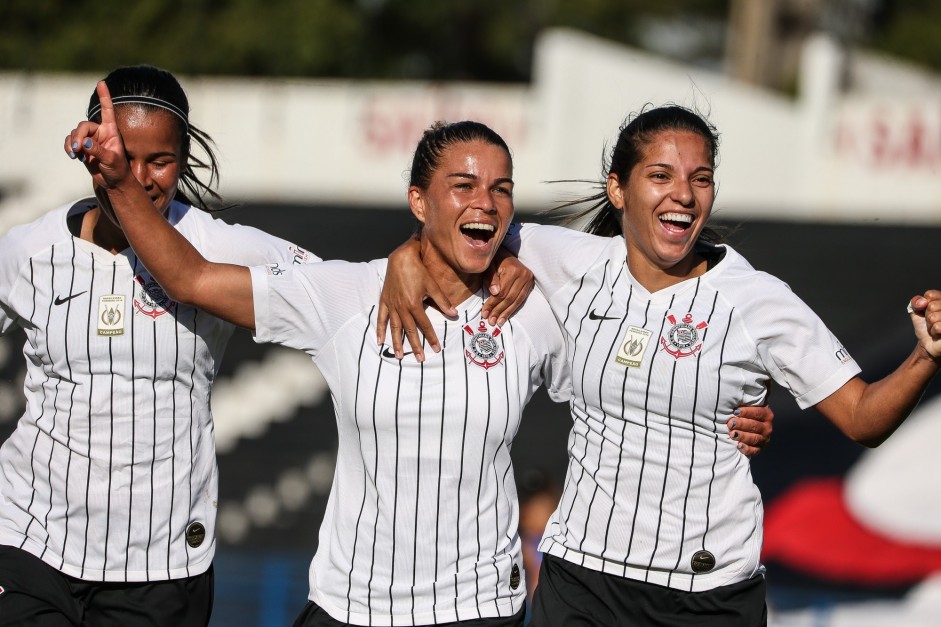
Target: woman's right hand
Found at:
x=402, y=302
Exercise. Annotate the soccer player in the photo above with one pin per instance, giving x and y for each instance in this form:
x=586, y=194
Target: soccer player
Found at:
x=108, y=483
x=667, y=331
x=421, y=524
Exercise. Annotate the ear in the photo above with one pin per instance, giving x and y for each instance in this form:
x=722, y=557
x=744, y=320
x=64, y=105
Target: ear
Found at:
x=615, y=191
x=416, y=202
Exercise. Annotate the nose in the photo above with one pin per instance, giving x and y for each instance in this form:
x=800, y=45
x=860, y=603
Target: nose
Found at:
x=141, y=173
x=683, y=194
x=483, y=200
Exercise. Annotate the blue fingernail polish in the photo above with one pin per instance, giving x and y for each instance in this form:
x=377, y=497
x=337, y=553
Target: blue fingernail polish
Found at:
x=737, y=412
x=741, y=446
x=735, y=435
x=87, y=143
x=74, y=145
x=81, y=158
x=71, y=155
x=734, y=424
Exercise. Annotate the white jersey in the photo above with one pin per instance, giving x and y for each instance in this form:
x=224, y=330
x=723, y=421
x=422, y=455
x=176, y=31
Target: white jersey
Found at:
x=655, y=489
x=421, y=523
x=110, y=474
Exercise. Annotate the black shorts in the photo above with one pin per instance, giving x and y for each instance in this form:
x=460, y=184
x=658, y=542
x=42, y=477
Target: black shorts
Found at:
x=37, y=595
x=569, y=595
x=315, y=616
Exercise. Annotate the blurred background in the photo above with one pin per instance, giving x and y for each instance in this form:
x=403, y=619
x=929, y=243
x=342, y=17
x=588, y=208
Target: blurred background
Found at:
x=830, y=114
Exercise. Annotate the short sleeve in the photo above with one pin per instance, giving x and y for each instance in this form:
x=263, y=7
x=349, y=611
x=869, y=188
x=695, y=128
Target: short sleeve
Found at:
x=799, y=351
x=555, y=254
x=11, y=257
x=221, y=242
x=548, y=346
x=303, y=307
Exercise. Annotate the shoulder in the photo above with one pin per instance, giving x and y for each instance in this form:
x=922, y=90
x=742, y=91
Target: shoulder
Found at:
x=537, y=322
x=758, y=296
x=27, y=239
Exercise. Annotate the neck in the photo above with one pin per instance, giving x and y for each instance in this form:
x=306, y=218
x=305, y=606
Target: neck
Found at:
x=457, y=286
x=655, y=278
x=99, y=230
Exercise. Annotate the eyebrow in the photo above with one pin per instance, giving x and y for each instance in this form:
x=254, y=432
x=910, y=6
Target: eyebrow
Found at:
x=670, y=167
x=467, y=175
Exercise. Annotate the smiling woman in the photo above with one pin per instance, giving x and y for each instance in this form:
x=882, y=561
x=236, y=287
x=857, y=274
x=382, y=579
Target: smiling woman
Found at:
x=108, y=483
x=667, y=333
x=425, y=531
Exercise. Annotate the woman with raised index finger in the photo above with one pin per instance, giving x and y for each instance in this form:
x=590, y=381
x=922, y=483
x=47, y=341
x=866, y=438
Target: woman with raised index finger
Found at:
x=421, y=523
x=108, y=485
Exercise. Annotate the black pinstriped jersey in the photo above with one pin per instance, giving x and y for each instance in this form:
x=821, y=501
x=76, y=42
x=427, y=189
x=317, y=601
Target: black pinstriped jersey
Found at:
x=110, y=474
x=655, y=488
x=421, y=523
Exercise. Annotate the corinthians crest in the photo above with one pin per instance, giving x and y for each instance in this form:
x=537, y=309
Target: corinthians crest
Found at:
x=684, y=338
x=150, y=299
x=483, y=350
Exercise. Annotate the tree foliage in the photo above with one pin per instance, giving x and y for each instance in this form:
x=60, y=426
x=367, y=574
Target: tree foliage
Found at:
x=384, y=39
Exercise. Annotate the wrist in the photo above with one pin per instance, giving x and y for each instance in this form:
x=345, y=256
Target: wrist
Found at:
x=923, y=354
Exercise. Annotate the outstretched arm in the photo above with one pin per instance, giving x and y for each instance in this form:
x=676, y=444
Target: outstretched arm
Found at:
x=221, y=289
x=869, y=413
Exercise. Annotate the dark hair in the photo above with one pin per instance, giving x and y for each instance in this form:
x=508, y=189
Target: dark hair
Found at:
x=150, y=83
x=635, y=135
x=441, y=136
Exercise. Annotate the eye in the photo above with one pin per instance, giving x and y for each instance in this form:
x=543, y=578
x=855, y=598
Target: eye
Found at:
x=703, y=180
x=506, y=191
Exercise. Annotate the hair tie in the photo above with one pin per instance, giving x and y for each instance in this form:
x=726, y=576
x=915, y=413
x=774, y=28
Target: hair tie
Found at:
x=144, y=100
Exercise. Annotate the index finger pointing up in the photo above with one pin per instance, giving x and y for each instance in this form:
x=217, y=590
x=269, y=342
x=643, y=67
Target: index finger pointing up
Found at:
x=104, y=97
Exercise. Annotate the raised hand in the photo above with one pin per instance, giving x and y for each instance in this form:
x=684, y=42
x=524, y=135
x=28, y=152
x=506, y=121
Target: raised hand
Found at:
x=925, y=312
x=99, y=146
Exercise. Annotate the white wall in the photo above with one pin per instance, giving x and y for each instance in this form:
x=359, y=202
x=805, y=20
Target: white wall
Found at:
x=869, y=155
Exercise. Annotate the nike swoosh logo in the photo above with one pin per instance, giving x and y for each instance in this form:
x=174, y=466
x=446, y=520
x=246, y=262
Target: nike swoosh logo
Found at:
x=59, y=300
x=592, y=315
x=387, y=352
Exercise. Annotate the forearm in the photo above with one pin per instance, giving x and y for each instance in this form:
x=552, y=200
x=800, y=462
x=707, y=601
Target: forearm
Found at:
x=870, y=413
x=186, y=276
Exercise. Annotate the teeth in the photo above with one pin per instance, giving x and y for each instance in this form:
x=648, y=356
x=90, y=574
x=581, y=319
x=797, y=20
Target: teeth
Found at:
x=677, y=217
x=477, y=226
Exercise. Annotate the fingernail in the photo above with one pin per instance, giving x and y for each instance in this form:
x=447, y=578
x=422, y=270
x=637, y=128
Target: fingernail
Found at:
x=74, y=145
x=741, y=446
x=736, y=412
x=71, y=155
x=735, y=435
x=81, y=158
x=87, y=143
x=500, y=322
x=436, y=348
x=734, y=424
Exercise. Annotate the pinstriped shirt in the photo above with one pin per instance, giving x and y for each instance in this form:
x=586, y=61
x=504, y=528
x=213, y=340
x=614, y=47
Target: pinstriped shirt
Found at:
x=421, y=522
x=114, y=457
x=655, y=490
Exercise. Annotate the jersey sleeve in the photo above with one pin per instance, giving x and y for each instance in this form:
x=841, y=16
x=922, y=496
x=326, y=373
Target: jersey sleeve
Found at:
x=798, y=350
x=222, y=242
x=548, y=346
x=554, y=254
x=11, y=257
x=303, y=307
